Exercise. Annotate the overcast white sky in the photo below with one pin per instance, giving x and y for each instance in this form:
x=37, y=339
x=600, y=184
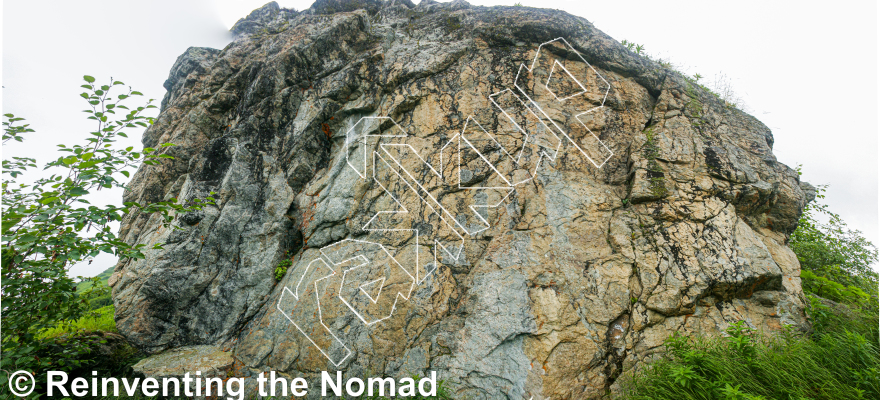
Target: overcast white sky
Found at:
x=806, y=69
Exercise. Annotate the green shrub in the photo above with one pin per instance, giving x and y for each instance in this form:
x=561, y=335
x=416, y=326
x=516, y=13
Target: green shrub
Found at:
x=100, y=302
x=48, y=226
x=836, y=261
x=748, y=365
x=833, y=318
x=281, y=268
x=83, y=346
x=98, y=320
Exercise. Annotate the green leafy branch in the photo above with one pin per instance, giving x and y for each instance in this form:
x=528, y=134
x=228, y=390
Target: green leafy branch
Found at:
x=48, y=225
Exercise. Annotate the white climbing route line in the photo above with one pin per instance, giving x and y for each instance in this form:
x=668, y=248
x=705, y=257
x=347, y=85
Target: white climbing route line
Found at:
x=526, y=75
x=474, y=172
x=304, y=297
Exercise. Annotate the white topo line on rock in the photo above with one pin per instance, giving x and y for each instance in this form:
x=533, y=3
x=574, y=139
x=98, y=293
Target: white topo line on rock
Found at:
x=359, y=134
x=519, y=86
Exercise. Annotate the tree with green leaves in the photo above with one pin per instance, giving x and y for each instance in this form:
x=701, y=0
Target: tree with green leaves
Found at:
x=836, y=261
x=49, y=225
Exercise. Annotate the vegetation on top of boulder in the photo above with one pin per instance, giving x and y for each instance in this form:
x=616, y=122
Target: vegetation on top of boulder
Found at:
x=721, y=88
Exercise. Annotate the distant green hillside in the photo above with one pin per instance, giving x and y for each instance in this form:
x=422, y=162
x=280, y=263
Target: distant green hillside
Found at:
x=102, y=300
x=103, y=276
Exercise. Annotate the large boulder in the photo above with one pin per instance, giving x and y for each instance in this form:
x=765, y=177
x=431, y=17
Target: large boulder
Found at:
x=504, y=195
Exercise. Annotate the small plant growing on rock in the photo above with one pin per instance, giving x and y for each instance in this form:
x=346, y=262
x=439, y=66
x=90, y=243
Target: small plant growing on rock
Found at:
x=633, y=47
x=655, y=173
x=281, y=268
x=741, y=339
x=639, y=49
x=452, y=24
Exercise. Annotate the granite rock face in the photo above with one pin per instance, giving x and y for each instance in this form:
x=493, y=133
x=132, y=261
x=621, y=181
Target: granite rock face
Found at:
x=209, y=360
x=505, y=195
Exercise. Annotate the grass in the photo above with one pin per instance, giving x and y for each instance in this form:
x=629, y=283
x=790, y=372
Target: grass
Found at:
x=721, y=87
x=96, y=320
x=840, y=360
x=80, y=348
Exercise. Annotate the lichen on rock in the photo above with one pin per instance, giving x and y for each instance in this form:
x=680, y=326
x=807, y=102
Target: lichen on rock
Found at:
x=549, y=211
